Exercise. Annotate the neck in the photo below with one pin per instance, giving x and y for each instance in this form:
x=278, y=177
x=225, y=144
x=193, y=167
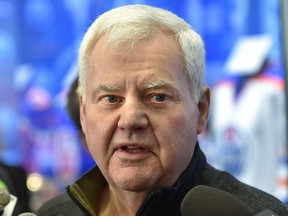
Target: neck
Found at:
x=118, y=203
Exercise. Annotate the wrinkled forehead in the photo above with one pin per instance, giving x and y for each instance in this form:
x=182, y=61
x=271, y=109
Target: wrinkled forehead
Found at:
x=127, y=49
x=118, y=39
x=133, y=50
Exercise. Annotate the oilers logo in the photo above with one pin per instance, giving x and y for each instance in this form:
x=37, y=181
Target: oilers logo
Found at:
x=234, y=146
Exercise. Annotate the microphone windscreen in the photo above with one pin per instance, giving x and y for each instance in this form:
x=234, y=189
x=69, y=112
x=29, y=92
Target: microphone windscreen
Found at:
x=4, y=198
x=27, y=214
x=208, y=201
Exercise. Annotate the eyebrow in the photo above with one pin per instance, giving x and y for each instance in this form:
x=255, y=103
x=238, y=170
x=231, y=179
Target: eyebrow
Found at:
x=157, y=85
x=107, y=87
x=151, y=85
x=103, y=87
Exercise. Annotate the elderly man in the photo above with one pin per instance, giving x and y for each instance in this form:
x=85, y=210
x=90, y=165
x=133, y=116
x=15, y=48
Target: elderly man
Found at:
x=143, y=101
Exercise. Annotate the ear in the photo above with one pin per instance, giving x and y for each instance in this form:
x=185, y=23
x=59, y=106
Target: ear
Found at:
x=82, y=114
x=203, y=107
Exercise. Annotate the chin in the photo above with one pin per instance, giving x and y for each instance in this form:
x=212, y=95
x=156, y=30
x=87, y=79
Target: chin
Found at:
x=136, y=188
x=135, y=182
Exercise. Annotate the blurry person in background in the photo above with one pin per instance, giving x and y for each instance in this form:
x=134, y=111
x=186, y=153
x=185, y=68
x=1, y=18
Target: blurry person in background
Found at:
x=143, y=102
x=73, y=109
x=13, y=179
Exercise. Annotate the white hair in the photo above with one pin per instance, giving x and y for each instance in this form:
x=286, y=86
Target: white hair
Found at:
x=131, y=23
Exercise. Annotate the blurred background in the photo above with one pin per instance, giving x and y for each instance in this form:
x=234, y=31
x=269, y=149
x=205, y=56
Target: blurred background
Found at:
x=246, y=135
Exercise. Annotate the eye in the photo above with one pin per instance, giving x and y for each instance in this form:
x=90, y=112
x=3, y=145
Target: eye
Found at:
x=160, y=97
x=111, y=99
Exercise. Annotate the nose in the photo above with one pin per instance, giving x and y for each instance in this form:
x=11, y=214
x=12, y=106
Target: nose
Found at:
x=132, y=116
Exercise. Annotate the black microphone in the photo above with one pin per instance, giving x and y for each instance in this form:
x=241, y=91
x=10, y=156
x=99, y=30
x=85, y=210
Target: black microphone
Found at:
x=208, y=201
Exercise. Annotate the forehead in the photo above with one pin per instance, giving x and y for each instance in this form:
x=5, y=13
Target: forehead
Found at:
x=129, y=48
x=156, y=45
x=154, y=60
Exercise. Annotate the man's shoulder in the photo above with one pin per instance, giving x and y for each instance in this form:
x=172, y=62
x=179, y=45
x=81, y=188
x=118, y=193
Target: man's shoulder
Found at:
x=60, y=205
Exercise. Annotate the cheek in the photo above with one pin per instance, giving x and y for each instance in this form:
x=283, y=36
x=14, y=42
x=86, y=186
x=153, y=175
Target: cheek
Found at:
x=97, y=134
x=177, y=142
x=178, y=137
x=183, y=125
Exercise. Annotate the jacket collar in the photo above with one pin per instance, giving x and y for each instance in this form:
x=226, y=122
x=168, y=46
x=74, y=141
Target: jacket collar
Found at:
x=169, y=199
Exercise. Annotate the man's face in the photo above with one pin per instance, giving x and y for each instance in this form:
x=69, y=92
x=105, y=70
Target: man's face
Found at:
x=139, y=118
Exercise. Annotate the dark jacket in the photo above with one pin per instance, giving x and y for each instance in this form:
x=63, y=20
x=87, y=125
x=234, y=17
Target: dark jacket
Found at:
x=81, y=196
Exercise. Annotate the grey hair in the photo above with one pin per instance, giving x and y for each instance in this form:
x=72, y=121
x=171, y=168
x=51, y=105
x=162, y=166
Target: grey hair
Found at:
x=131, y=23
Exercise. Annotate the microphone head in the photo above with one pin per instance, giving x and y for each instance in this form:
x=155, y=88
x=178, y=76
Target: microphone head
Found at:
x=4, y=198
x=208, y=201
x=27, y=214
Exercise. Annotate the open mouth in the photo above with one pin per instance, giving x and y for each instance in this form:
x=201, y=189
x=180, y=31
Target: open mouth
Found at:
x=134, y=149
